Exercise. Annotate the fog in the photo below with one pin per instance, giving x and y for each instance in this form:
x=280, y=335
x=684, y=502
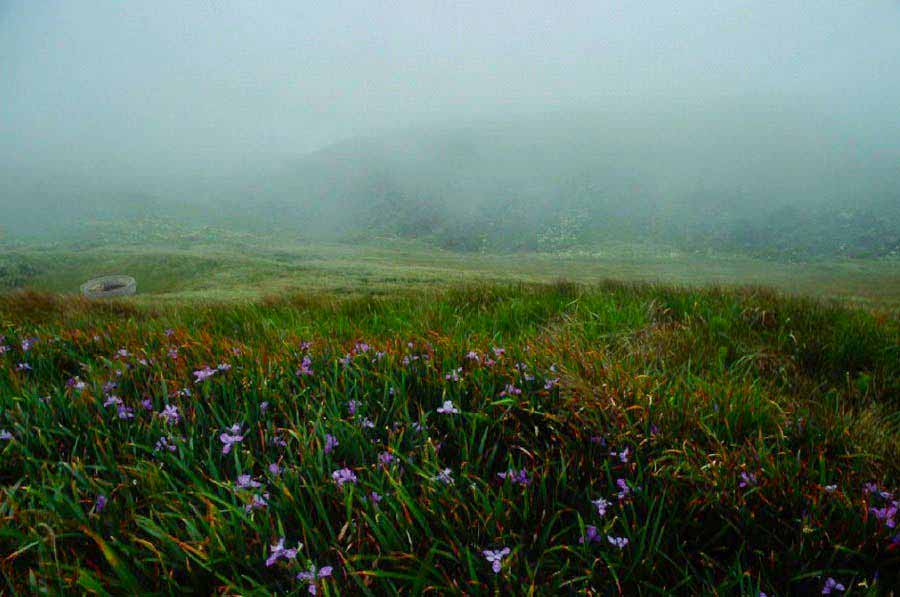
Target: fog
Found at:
x=300, y=110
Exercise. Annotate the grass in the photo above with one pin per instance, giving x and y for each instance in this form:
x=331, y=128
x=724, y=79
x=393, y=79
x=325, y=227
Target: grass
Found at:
x=252, y=268
x=706, y=388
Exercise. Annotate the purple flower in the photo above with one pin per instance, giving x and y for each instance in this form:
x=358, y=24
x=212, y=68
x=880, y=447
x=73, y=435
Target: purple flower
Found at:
x=386, y=458
x=170, y=414
x=112, y=401
x=747, y=479
x=247, y=482
x=367, y=423
x=203, y=374
x=361, y=347
x=125, y=412
x=343, y=475
x=623, y=455
x=109, y=387
x=448, y=408
x=375, y=497
x=516, y=478
x=278, y=551
x=832, y=585
x=886, y=514
x=76, y=383
x=122, y=353
x=164, y=443
x=330, y=442
x=169, y=332
x=624, y=489
x=551, y=383
x=590, y=535
x=499, y=351
x=453, y=375
x=224, y=367
x=27, y=343
x=495, y=558
x=511, y=390
x=275, y=469
x=173, y=353
x=258, y=501
x=263, y=406
x=312, y=575
x=619, y=542
x=147, y=404
x=229, y=439
x=445, y=477
x=5, y=435
x=305, y=367
x=100, y=503
x=601, y=505
x=473, y=356
x=352, y=406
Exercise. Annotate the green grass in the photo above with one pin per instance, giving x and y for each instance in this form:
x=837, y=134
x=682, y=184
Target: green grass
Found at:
x=700, y=384
x=257, y=267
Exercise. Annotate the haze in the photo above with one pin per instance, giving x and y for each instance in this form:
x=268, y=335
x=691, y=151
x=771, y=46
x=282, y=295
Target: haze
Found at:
x=225, y=104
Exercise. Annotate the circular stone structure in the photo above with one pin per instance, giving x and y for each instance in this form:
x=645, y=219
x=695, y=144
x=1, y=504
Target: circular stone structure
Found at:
x=109, y=286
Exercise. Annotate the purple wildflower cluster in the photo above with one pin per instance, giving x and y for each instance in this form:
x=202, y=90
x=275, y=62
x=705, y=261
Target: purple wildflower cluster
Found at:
x=887, y=513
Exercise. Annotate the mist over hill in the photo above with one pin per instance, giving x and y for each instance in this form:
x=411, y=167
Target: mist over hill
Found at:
x=765, y=180
x=769, y=181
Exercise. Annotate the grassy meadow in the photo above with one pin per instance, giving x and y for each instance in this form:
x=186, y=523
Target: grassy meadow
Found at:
x=251, y=267
x=394, y=419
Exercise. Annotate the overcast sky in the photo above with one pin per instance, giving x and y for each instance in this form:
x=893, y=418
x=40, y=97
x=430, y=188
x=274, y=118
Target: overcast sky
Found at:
x=191, y=90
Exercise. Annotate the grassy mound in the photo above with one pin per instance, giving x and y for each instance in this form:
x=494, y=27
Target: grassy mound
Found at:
x=604, y=438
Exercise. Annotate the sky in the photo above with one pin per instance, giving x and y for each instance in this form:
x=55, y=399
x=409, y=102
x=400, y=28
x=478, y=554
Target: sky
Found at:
x=169, y=95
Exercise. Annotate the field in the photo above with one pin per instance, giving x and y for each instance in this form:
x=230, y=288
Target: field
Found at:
x=247, y=267
x=392, y=419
